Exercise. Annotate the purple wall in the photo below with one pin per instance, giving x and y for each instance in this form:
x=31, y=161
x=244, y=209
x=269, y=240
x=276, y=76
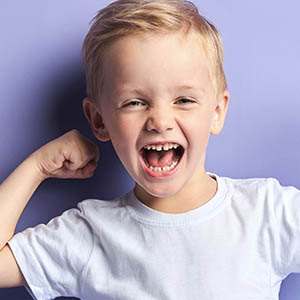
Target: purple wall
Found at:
x=42, y=85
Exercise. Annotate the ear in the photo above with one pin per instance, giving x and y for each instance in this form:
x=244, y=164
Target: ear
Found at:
x=93, y=115
x=220, y=113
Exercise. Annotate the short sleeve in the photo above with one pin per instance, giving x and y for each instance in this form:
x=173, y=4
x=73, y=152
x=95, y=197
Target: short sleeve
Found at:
x=52, y=257
x=286, y=243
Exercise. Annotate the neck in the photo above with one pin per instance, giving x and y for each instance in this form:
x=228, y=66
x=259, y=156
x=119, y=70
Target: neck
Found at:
x=199, y=190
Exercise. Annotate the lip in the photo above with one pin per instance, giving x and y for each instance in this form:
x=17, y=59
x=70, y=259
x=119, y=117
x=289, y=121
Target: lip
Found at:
x=161, y=174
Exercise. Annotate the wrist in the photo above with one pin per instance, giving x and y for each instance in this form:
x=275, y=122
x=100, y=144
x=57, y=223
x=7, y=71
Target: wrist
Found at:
x=33, y=163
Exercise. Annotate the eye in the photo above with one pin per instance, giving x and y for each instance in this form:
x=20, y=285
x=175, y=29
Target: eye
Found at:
x=134, y=103
x=185, y=101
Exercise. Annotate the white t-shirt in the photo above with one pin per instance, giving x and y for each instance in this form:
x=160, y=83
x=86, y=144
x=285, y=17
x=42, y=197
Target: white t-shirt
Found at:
x=239, y=245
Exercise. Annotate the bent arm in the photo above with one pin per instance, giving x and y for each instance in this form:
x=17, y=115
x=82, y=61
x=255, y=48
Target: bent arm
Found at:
x=15, y=193
x=69, y=156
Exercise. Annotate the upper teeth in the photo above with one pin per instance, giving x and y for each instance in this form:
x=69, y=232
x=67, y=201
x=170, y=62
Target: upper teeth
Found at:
x=161, y=147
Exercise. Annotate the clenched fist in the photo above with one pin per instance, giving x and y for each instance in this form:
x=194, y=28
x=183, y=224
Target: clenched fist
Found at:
x=70, y=156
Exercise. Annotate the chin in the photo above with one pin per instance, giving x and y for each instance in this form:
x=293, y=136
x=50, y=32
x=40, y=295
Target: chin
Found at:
x=161, y=192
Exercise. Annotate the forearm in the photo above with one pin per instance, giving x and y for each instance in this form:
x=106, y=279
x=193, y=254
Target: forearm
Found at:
x=15, y=193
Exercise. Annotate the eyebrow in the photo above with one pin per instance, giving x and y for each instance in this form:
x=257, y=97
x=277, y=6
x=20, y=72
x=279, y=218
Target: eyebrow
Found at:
x=179, y=87
x=188, y=87
x=185, y=86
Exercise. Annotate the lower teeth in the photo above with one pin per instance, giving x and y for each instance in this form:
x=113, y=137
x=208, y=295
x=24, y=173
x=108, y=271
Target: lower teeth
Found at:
x=166, y=168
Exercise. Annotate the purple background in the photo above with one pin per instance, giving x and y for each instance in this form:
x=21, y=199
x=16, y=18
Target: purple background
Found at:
x=42, y=85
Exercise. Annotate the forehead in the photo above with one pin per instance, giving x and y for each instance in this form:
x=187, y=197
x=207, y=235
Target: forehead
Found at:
x=156, y=62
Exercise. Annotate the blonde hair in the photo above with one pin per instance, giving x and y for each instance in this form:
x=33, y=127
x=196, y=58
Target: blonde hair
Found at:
x=128, y=17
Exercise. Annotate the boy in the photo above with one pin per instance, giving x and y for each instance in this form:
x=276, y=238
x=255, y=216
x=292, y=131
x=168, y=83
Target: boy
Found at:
x=156, y=89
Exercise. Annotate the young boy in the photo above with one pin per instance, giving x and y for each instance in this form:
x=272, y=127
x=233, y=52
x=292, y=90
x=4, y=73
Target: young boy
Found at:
x=156, y=89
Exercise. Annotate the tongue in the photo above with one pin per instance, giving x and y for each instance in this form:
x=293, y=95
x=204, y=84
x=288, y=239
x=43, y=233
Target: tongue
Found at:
x=160, y=158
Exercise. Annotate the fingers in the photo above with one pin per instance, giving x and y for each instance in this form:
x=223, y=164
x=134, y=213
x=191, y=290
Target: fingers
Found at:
x=81, y=153
x=87, y=171
x=81, y=156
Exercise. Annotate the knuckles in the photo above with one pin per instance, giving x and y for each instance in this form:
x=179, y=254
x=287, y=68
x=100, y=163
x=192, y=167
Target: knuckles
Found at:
x=74, y=152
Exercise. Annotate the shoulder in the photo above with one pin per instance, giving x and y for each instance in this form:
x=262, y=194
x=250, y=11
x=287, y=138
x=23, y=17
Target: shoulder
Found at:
x=97, y=210
x=88, y=205
x=265, y=192
x=258, y=186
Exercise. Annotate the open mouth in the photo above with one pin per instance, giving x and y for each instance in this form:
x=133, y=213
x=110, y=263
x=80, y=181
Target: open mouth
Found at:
x=162, y=158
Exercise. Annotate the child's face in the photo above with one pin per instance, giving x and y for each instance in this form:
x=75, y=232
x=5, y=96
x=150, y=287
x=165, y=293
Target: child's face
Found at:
x=157, y=90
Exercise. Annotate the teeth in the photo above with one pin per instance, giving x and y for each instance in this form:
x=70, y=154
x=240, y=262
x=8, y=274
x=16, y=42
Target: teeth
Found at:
x=164, y=147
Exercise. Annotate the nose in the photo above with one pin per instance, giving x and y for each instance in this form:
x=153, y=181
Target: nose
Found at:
x=159, y=120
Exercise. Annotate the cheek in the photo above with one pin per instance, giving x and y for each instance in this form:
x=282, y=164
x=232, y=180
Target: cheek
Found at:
x=197, y=131
x=123, y=134
x=198, y=124
x=115, y=126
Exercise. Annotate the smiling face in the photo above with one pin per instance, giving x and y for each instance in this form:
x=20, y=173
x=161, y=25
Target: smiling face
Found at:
x=158, y=94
